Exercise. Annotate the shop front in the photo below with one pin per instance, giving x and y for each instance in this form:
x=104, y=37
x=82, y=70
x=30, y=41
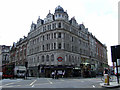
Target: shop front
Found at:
x=60, y=69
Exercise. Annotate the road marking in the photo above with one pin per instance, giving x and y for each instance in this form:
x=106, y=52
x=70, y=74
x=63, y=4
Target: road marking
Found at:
x=11, y=83
x=32, y=85
x=62, y=80
x=33, y=82
x=42, y=83
x=93, y=86
x=49, y=81
x=7, y=86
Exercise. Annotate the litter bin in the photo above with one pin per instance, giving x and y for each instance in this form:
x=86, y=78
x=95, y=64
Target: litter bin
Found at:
x=106, y=77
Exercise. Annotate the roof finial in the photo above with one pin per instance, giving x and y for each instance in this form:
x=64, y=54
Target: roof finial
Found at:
x=83, y=23
x=49, y=11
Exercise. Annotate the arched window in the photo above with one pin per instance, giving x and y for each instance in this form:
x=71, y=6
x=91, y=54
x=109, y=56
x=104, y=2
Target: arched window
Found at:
x=38, y=59
x=73, y=58
x=43, y=58
x=69, y=58
x=47, y=58
x=65, y=58
x=59, y=25
x=52, y=57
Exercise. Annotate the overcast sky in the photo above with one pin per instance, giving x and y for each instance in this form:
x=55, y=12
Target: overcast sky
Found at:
x=99, y=16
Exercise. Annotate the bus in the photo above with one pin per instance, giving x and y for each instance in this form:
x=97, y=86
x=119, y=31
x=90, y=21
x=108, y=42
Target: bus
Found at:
x=8, y=71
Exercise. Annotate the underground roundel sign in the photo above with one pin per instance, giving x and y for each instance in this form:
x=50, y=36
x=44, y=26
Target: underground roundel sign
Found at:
x=60, y=59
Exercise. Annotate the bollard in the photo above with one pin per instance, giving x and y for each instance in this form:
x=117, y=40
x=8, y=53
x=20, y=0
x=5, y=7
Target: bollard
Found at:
x=106, y=77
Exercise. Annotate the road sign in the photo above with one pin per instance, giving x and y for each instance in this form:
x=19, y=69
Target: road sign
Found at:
x=60, y=59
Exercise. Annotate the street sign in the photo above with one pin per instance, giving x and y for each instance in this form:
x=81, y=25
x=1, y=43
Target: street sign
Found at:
x=60, y=59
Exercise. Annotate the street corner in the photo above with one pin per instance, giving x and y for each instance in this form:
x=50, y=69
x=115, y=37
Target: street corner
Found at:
x=111, y=85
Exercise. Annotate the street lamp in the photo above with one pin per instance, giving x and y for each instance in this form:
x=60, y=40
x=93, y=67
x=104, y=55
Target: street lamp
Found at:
x=5, y=58
x=26, y=65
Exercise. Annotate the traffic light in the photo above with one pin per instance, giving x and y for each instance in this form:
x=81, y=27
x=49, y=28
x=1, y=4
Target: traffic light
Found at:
x=118, y=51
x=113, y=53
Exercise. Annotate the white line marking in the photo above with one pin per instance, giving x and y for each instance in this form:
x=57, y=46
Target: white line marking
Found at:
x=33, y=82
x=62, y=80
x=32, y=85
x=49, y=81
x=93, y=86
x=11, y=83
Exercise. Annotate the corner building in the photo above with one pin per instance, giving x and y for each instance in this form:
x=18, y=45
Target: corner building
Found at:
x=57, y=43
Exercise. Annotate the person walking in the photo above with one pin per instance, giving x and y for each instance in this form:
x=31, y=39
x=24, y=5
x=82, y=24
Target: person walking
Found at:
x=53, y=74
x=57, y=74
x=63, y=74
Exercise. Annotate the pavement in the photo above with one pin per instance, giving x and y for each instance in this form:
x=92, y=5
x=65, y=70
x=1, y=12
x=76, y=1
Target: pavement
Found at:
x=111, y=85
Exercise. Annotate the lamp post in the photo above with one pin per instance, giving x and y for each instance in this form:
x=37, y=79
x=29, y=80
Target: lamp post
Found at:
x=26, y=65
x=5, y=58
x=38, y=70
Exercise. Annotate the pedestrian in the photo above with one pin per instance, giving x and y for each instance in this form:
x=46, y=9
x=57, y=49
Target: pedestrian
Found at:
x=63, y=74
x=57, y=74
x=106, y=71
x=53, y=74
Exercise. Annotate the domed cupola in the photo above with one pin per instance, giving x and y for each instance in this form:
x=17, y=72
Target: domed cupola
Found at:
x=59, y=9
x=60, y=14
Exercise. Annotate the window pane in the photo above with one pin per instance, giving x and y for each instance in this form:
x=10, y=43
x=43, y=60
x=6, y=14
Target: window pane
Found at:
x=59, y=35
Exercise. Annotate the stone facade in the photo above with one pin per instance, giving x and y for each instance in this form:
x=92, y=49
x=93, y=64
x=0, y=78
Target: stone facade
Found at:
x=57, y=36
x=4, y=54
x=18, y=52
x=57, y=43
